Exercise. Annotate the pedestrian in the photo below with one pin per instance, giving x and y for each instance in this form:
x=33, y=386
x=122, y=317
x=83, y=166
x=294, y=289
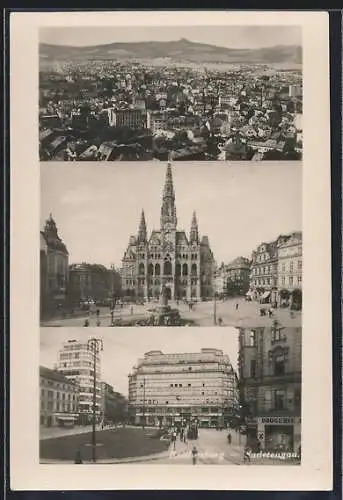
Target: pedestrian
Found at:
x=229, y=438
x=86, y=323
x=220, y=321
x=98, y=312
x=237, y=306
x=78, y=458
x=174, y=439
x=194, y=455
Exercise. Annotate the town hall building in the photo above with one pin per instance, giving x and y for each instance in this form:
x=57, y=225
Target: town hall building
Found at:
x=182, y=264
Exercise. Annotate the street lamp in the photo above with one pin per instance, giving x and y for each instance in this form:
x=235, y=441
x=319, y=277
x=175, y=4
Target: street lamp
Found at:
x=215, y=309
x=94, y=346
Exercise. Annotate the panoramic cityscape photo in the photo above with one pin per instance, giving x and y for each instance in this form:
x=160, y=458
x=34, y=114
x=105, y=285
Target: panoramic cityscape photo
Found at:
x=210, y=93
x=170, y=245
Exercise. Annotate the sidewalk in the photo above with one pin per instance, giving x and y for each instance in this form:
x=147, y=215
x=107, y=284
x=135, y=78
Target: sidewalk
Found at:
x=56, y=432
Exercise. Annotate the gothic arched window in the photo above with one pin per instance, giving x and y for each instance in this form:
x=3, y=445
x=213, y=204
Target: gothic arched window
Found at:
x=141, y=269
x=194, y=270
x=167, y=268
x=178, y=270
x=150, y=269
x=185, y=270
x=157, y=270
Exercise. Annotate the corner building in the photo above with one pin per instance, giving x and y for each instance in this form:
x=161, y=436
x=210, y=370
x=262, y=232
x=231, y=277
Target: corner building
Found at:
x=182, y=263
x=166, y=389
x=270, y=385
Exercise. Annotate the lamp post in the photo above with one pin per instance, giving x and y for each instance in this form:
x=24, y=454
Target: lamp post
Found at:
x=143, y=424
x=94, y=346
x=215, y=309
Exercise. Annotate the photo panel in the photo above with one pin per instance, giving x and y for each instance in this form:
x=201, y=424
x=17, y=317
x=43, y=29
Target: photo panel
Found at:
x=171, y=244
x=229, y=396
x=199, y=93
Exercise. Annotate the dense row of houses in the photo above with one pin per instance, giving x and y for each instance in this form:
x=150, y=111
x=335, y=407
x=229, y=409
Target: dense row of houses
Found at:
x=273, y=274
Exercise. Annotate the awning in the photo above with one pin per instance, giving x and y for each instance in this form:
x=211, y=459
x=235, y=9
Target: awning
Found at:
x=265, y=295
x=66, y=417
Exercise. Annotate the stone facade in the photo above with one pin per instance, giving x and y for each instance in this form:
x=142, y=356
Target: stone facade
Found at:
x=270, y=384
x=168, y=257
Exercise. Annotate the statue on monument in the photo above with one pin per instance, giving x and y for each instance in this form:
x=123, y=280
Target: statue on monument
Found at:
x=164, y=295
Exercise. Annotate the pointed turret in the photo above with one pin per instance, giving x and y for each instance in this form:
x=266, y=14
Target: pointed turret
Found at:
x=194, y=234
x=142, y=232
x=168, y=209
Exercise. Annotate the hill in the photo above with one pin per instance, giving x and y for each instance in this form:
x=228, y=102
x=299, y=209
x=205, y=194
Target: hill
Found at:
x=182, y=51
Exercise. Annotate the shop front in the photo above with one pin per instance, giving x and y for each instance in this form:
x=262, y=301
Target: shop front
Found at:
x=279, y=433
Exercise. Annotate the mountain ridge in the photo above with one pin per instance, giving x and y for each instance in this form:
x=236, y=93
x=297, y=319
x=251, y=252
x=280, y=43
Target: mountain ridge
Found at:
x=180, y=50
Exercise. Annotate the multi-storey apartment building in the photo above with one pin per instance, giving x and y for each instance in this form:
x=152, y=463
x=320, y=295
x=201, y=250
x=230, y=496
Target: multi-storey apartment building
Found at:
x=76, y=363
x=275, y=266
x=270, y=385
x=165, y=389
x=59, y=399
x=290, y=267
x=113, y=404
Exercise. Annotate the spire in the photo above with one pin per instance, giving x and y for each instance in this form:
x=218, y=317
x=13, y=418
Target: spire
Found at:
x=50, y=228
x=194, y=235
x=142, y=232
x=168, y=209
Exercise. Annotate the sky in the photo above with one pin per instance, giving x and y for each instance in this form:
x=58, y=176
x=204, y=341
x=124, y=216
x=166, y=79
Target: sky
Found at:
x=122, y=347
x=98, y=206
x=223, y=36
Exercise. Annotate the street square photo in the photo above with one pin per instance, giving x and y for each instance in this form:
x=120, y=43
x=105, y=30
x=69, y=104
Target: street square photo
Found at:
x=173, y=244
x=182, y=397
x=121, y=93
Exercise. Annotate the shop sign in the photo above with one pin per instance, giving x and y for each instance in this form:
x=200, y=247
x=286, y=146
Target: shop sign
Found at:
x=279, y=420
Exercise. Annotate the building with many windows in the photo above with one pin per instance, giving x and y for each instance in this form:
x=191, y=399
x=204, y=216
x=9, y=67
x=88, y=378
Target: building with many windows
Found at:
x=53, y=266
x=290, y=268
x=270, y=385
x=76, y=363
x=113, y=405
x=182, y=263
x=166, y=389
x=276, y=266
x=59, y=399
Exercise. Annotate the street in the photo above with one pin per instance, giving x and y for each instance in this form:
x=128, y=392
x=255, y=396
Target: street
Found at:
x=213, y=448
x=247, y=314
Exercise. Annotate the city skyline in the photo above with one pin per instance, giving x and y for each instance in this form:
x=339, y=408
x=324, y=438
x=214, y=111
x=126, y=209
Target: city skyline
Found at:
x=96, y=209
x=242, y=37
x=123, y=349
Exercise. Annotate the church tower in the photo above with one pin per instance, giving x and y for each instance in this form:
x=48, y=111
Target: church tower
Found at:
x=168, y=209
x=142, y=231
x=194, y=234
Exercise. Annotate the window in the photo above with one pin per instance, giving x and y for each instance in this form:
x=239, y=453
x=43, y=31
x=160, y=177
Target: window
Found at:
x=252, y=338
x=299, y=264
x=283, y=280
x=279, y=399
x=279, y=365
x=189, y=385
x=267, y=400
x=291, y=280
x=277, y=335
x=253, y=368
